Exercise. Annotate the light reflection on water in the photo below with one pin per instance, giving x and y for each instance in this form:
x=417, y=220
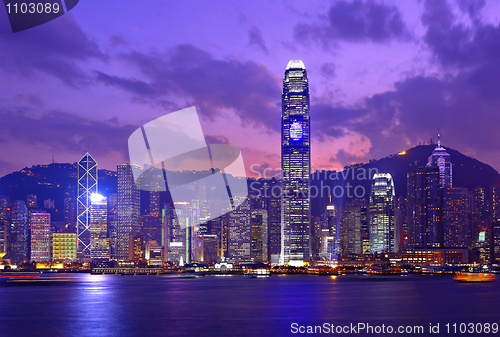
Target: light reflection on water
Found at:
x=115, y=305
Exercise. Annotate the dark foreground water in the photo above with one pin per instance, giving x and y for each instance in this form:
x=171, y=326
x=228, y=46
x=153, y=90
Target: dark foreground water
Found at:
x=114, y=305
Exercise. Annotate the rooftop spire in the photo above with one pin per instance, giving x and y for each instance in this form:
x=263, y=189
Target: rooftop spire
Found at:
x=439, y=138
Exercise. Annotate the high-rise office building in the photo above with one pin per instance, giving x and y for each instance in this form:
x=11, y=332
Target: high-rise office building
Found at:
x=87, y=185
x=174, y=237
x=259, y=236
x=440, y=159
x=70, y=205
x=382, y=221
x=351, y=236
x=424, y=208
x=40, y=236
x=295, y=166
x=4, y=230
x=4, y=225
x=239, y=240
x=19, y=244
x=495, y=249
x=99, y=244
x=274, y=218
x=456, y=217
x=64, y=247
x=210, y=249
x=113, y=225
x=128, y=209
x=136, y=247
x=183, y=216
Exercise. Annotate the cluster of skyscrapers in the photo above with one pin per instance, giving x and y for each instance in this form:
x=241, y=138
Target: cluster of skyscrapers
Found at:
x=137, y=227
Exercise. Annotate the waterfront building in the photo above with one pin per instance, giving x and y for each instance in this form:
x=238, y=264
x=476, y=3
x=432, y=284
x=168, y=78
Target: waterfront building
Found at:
x=259, y=236
x=99, y=251
x=351, y=236
x=87, y=185
x=382, y=220
x=295, y=166
x=40, y=236
x=128, y=209
x=64, y=247
x=456, y=220
x=19, y=241
x=239, y=227
x=113, y=225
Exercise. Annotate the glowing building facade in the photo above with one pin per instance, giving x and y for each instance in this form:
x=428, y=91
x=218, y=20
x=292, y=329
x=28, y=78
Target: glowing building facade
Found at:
x=128, y=209
x=382, y=220
x=295, y=165
x=40, y=237
x=99, y=242
x=64, y=247
x=87, y=185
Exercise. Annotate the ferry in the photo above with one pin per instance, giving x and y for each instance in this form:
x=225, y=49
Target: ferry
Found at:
x=258, y=272
x=474, y=277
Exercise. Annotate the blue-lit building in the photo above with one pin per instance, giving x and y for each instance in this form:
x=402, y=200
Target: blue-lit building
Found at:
x=87, y=185
x=295, y=166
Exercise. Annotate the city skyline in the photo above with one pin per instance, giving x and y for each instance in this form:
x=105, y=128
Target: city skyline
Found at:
x=249, y=168
x=355, y=97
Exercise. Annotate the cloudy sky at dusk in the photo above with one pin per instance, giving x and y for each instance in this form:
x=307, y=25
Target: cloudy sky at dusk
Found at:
x=384, y=76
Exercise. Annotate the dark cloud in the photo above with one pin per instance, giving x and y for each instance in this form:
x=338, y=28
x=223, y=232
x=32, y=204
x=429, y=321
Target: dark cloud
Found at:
x=63, y=132
x=465, y=107
x=189, y=73
x=117, y=40
x=452, y=43
x=356, y=21
x=255, y=39
x=35, y=99
x=328, y=70
x=345, y=158
x=54, y=48
x=471, y=7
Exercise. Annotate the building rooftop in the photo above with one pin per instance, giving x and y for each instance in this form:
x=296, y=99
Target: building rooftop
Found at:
x=295, y=64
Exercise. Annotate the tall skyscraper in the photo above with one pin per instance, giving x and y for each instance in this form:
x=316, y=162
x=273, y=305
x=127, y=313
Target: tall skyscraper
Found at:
x=424, y=208
x=40, y=236
x=182, y=228
x=113, y=225
x=87, y=185
x=274, y=219
x=18, y=249
x=239, y=240
x=99, y=243
x=174, y=237
x=128, y=209
x=295, y=166
x=259, y=236
x=456, y=217
x=4, y=225
x=382, y=220
x=351, y=236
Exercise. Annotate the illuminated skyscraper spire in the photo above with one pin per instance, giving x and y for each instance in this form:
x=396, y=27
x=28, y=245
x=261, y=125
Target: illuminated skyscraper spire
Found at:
x=295, y=165
x=87, y=185
x=441, y=159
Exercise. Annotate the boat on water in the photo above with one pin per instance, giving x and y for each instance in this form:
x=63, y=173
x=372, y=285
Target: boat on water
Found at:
x=258, y=272
x=474, y=277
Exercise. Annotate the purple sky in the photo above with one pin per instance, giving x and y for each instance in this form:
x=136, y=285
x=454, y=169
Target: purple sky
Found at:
x=384, y=76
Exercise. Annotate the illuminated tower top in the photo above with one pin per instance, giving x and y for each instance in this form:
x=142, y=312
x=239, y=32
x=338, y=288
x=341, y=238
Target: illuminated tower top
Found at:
x=441, y=159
